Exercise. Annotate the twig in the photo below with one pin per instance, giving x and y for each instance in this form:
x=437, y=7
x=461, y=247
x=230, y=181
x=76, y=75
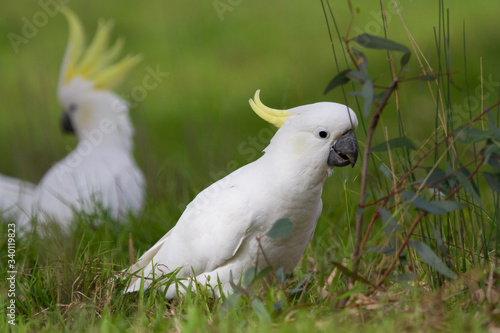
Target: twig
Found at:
x=364, y=172
x=282, y=285
x=415, y=223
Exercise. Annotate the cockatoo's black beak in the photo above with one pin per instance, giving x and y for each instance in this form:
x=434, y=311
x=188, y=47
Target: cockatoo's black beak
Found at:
x=66, y=124
x=344, y=151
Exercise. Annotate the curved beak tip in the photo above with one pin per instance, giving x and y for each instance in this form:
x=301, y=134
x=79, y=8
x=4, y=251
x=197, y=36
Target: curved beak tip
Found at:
x=344, y=151
x=66, y=125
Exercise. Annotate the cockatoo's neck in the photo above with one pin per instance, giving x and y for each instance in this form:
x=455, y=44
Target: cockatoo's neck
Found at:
x=290, y=160
x=294, y=175
x=109, y=123
x=104, y=140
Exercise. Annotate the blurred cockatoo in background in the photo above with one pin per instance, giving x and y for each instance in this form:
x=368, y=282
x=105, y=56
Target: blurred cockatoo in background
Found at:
x=100, y=173
x=216, y=236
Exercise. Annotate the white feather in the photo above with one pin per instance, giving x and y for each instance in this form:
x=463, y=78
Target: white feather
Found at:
x=99, y=173
x=217, y=235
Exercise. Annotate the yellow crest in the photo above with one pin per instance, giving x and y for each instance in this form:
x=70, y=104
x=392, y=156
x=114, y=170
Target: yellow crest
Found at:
x=273, y=116
x=97, y=62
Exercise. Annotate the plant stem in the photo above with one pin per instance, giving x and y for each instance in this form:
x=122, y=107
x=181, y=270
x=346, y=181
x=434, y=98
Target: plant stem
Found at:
x=364, y=172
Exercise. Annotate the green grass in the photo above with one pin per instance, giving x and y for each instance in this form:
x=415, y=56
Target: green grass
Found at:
x=188, y=131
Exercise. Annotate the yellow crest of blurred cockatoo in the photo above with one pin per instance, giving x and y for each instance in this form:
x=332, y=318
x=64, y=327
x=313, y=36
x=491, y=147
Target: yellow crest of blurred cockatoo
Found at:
x=100, y=172
x=217, y=235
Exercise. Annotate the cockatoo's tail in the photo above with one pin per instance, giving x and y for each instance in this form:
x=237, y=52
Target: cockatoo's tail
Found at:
x=344, y=150
x=96, y=63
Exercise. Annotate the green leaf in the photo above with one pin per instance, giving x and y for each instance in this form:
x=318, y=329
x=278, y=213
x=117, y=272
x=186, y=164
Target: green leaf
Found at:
x=387, y=173
x=390, y=225
x=394, y=143
x=367, y=92
x=340, y=79
x=426, y=77
x=298, y=288
x=278, y=305
x=405, y=58
x=263, y=273
x=403, y=277
x=436, y=176
x=358, y=76
x=493, y=179
x=361, y=59
x=280, y=274
x=253, y=274
x=468, y=187
x=231, y=301
x=249, y=276
x=466, y=134
x=385, y=250
x=430, y=258
x=260, y=310
x=281, y=229
x=494, y=160
x=374, y=42
x=440, y=243
x=448, y=206
x=431, y=207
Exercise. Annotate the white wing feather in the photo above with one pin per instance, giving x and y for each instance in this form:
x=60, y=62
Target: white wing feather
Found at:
x=207, y=235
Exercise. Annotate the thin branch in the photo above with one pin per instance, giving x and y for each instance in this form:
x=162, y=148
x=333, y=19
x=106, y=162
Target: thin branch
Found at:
x=364, y=172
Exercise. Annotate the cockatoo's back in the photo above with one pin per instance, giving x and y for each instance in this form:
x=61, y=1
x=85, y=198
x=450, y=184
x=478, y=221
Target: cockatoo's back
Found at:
x=223, y=230
x=14, y=193
x=219, y=228
x=105, y=178
x=100, y=173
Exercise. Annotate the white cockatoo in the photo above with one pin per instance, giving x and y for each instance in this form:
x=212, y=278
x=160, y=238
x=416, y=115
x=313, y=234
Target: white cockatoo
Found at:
x=100, y=173
x=216, y=236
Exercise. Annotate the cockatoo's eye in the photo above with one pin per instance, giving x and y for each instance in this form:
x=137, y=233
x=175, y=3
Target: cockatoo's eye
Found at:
x=321, y=133
x=72, y=107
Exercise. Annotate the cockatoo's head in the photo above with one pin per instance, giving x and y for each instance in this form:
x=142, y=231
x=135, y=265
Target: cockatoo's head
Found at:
x=86, y=81
x=320, y=134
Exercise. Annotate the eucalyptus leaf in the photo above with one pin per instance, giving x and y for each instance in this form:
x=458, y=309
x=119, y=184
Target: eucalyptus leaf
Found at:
x=426, y=77
x=278, y=305
x=379, y=43
x=466, y=134
x=430, y=258
x=280, y=274
x=339, y=79
x=260, y=310
x=361, y=59
x=358, y=76
x=367, y=92
x=468, y=186
x=385, y=250
x=494, y=160
x=390, y=225
x=231, y=301
x=403, y=277
x=439, y=241
x=281, y=229
x=431, y=207
x=385, y=171
x=394, y=143
x=249, y=276
x=493, y=179
x=405, y=58
x=436, y=177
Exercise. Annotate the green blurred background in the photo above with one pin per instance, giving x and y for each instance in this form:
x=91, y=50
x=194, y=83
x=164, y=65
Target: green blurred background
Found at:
x=189, y=129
